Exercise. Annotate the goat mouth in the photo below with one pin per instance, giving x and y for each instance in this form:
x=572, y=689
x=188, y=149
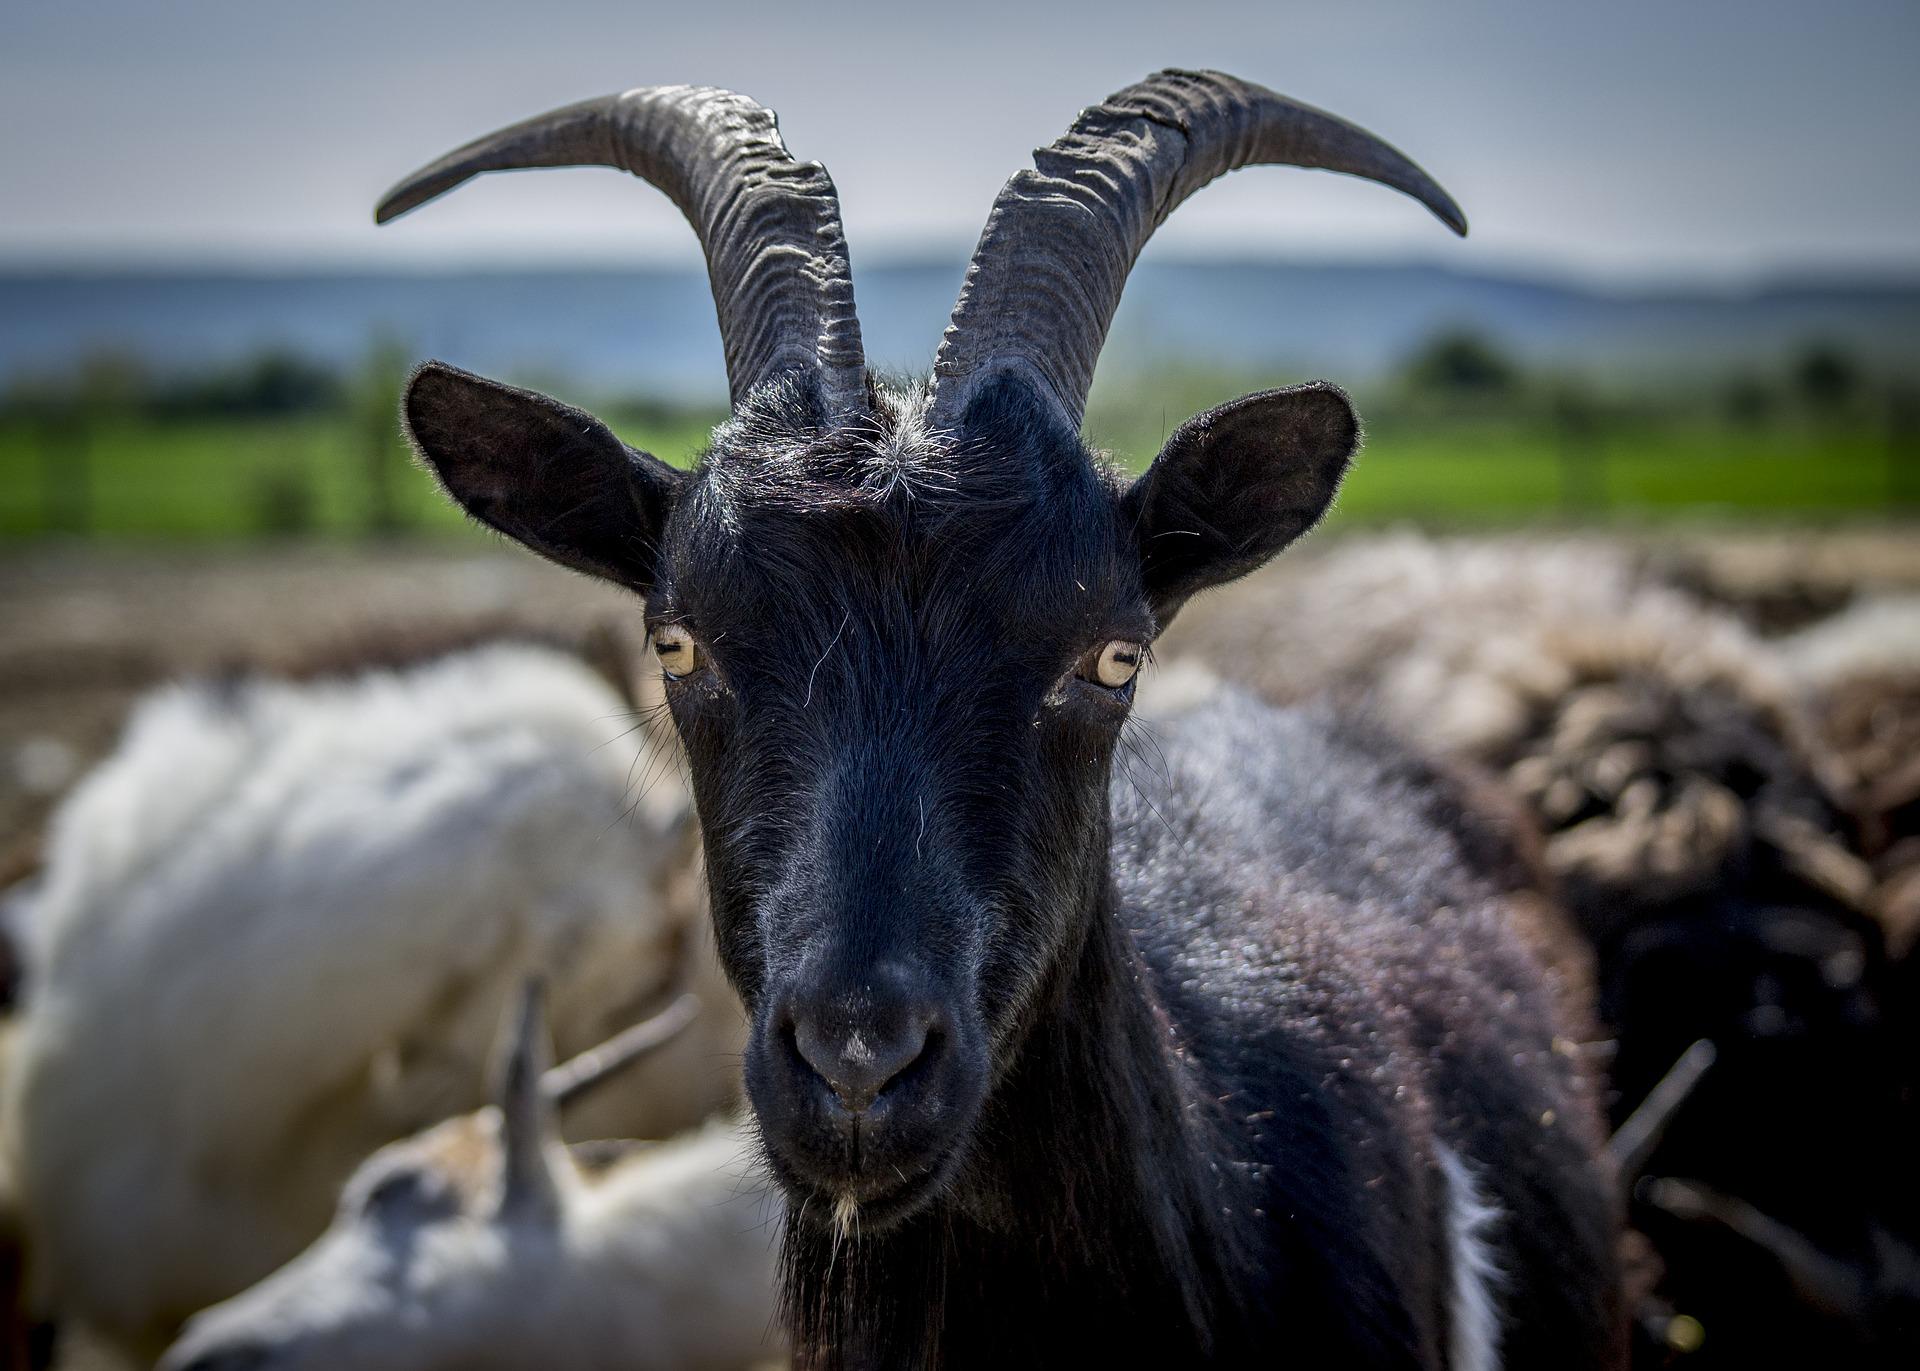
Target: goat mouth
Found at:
x=850, y=1214
x=863, y=1203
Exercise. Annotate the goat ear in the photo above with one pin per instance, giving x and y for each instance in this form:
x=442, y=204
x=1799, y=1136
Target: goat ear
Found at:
x=527, y=1124
x=543, y=473
x=1235, y=485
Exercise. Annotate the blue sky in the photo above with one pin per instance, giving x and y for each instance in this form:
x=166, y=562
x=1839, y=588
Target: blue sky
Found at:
x=1628, y=140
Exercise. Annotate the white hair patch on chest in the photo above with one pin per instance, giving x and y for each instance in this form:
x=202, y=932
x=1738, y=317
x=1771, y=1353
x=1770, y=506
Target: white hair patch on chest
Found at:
x=1473, y=1342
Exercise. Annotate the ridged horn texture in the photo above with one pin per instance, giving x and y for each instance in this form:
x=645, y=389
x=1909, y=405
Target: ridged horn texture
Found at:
x=1046, y=278
x=770, y=226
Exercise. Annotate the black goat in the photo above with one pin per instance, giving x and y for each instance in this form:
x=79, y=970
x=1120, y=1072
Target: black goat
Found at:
x=1238, y=1059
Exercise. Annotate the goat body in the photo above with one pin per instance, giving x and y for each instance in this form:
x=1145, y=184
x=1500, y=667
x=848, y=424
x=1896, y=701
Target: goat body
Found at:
x=485, y=1243
x=1707, y=798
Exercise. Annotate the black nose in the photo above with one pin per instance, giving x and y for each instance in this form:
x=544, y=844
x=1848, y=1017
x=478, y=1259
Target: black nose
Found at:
x=859, y=1053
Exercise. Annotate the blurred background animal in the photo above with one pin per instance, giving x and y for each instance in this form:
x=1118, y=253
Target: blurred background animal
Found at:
x=486, y=1243
x=275, y=929
x=1722, y=813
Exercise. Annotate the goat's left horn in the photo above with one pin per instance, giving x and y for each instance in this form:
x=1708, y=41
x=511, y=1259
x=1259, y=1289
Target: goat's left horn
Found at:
x=1046, y=278
x=770, y=226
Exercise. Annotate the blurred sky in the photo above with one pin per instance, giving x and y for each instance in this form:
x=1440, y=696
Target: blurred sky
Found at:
x=1626, y=140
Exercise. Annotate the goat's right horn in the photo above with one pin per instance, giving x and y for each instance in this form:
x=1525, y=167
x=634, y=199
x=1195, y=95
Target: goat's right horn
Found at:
x=1046, y=278
x=770, y=226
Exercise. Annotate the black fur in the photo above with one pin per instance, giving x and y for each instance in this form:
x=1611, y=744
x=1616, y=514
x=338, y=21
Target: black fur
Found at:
x=1193, y=1029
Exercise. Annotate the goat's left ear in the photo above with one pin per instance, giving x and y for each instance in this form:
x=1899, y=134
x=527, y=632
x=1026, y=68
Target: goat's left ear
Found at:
x=1235, y=485
x=545, y=474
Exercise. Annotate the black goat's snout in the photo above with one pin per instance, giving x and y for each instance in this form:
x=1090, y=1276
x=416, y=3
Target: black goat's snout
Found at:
x=864, y=1078
x=859, y=1056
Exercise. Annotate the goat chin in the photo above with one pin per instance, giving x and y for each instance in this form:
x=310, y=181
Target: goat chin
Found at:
x=275, y=931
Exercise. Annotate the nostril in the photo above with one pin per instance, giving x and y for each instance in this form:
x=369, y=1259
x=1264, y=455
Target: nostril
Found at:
x=858, y=1061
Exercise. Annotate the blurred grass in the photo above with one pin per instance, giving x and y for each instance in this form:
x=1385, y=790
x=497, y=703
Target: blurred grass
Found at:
x=276, y=445
x=1462, y=471
x=215, y=479
x=1504, y=474
x=147, y=478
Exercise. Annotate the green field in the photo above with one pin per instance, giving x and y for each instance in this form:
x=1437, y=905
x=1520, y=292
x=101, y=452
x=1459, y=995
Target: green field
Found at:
x=331, y=476
x=234, y=478
x=1513, y=474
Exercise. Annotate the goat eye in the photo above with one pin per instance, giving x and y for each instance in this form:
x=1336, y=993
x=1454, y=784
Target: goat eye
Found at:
x=1116, y=664
x=677, y=651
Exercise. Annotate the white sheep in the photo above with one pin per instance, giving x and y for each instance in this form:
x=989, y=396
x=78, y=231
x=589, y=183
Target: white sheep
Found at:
x=484, y=1243
x=1877, y=635
x=276, y=929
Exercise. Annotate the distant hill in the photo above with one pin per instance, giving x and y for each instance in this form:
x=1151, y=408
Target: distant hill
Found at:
x=653, y=330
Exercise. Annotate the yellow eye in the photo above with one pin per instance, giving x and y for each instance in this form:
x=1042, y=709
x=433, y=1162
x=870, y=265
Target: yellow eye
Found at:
x=1118, y=663
x=678, y=653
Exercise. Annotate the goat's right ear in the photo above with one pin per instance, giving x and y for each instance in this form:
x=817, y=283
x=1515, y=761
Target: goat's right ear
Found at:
x=545, y=474
x=1235, y=485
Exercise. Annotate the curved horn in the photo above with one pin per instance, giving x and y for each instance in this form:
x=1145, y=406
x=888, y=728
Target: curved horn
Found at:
x=770, y=226
x=1046, y=278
